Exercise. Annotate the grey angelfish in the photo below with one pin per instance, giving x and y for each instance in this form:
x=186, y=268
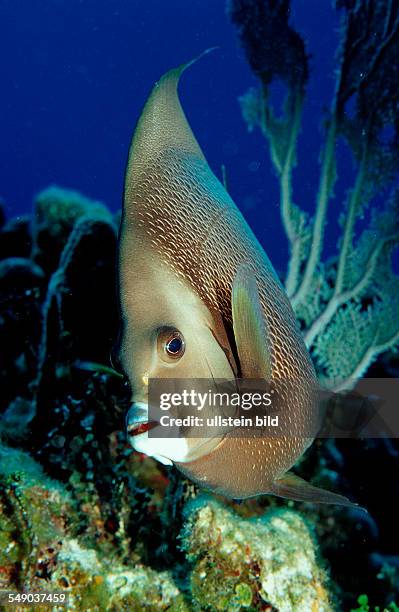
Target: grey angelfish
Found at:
x=200, y=299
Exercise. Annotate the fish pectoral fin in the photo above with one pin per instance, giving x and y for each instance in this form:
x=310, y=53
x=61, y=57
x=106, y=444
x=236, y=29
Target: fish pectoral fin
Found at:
x=291, y=486
x=250, y=328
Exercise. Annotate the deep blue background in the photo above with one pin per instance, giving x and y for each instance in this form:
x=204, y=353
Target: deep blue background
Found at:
x=75, y=74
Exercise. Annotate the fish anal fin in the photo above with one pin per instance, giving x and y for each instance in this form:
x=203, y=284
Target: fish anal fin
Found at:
x=291, y=486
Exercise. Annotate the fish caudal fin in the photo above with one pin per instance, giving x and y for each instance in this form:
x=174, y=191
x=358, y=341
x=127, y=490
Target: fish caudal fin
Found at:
x=293, y=487
x=250, y=329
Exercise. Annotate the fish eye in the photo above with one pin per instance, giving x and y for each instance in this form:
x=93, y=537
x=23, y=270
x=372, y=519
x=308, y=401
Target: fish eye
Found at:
x=171, y=343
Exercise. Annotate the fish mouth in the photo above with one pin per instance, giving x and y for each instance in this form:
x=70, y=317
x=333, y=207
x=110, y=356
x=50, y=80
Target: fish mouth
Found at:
x=140, y=428
x=137, y=422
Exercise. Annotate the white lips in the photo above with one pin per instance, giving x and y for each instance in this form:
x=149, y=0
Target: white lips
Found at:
x=164, y=450
x=138, y=413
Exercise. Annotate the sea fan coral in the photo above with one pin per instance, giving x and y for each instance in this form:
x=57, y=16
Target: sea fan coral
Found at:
x=351, y=299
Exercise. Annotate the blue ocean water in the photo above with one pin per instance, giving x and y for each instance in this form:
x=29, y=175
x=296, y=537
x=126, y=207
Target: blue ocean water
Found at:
x=76, y=73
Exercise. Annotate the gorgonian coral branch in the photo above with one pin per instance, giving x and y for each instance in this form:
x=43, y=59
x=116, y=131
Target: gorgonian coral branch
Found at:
x=276, y=52
x=350, y=298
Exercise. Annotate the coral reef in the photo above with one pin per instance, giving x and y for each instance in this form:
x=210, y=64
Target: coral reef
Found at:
x=352, y=298
x=42, y=548
x=264, y=563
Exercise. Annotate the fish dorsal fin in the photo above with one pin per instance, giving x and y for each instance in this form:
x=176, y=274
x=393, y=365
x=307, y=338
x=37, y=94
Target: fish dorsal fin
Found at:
x=162, y=126
x=250, y=328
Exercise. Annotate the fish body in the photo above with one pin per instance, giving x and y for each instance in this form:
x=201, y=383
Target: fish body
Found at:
x=190, y=265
